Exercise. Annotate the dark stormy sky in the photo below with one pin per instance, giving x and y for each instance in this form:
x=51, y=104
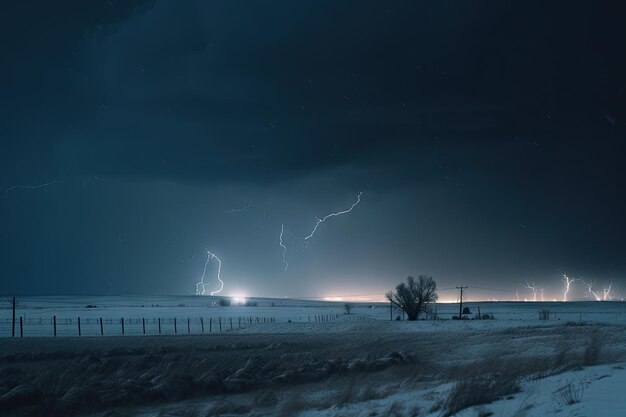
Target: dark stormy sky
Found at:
x=488, y=139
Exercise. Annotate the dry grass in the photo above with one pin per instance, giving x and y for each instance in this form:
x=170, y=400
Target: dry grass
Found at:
x=570, y=393
x=479, y=390
x=87, y=377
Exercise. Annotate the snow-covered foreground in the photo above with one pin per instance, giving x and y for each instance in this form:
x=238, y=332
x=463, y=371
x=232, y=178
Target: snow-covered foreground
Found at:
x=591, y=391
x=353, y=366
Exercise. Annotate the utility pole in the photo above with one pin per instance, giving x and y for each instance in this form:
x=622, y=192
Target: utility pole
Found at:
x=461, y=301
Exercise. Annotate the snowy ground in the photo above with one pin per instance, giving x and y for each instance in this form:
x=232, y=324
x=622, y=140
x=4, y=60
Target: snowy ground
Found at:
x=357, y=365
x=37, y=313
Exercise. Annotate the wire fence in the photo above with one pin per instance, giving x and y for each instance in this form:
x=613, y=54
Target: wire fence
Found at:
x=77, y=326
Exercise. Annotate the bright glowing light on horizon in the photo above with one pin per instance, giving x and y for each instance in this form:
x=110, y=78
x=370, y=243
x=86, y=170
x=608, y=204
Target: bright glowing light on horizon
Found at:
x=239, y=299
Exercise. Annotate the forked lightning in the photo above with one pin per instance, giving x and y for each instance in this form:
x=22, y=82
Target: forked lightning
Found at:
x=200, y=286
x=318, y=221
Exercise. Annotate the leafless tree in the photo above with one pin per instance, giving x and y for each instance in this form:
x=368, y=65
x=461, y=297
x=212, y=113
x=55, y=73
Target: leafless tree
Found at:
x=347, y=307
x=414, y=296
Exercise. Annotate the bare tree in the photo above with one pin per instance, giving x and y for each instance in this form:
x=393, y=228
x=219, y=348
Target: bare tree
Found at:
x=347, y=307
x=414, y=296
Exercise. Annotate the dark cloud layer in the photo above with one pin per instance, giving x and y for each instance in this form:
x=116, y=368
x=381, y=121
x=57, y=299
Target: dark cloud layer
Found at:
x=518, y=107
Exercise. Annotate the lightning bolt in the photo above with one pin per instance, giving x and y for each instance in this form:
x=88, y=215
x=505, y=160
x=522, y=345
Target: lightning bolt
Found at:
x=200, y=286
x=29, y=187
x=237, y=210
x=568, y=281
x=339, y=213
x=282, y=245
x=589, y=285
x=533, y=288
x=190, y=259
x=607, y=292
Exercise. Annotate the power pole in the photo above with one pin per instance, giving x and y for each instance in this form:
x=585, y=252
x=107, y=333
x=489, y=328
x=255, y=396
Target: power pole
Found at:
x=461, y=301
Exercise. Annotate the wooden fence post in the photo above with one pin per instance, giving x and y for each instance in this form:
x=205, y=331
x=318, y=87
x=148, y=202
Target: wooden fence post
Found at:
x=21, y=328
x=79, y=326
x=188, y=326
x=101, y=328
x=220, y=320
x=159, y=325
x=122, y=325
x=202, y=324
x=210, y=324
x=54, y=323
x=143, y=324
x=13, y=328
x=175, y=329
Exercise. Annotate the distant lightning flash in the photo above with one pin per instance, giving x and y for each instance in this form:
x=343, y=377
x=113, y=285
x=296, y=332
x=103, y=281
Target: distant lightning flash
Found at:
x=322, y=220
x=282, y=245
x=29, y=187
x=533, y=288
x=568, y=281
x=237, y=210
x=200, y=286
x=589, y=285
x=192, y=256
x=606, y=292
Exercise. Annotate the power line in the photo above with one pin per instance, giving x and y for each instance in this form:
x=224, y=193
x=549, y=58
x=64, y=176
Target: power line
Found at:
x=491, y=289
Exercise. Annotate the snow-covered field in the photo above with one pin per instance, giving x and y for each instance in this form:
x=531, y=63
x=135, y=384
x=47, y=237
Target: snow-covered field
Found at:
x=38, y=312
x=362, y=364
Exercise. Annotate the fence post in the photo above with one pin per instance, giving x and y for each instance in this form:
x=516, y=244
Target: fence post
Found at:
x=143, y=324
x=175, y=329
x=21, y=328
x=239, y=320
x=202, y=324
x=122, y=325
x=188, y=326
x=54, y=324
x=101, y=328
x=159, y=325
x=78, y=326
x=13, y=331
x=220, y=320
x=231, y=322
x=210, y=324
